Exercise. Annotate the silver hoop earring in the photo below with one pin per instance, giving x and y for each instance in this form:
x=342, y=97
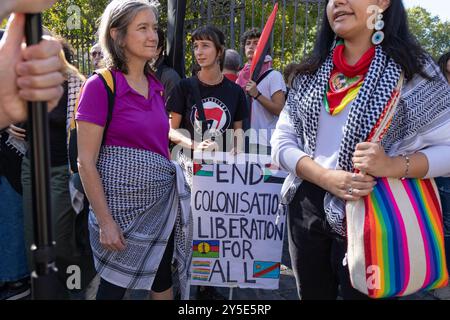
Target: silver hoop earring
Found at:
x=378, y=36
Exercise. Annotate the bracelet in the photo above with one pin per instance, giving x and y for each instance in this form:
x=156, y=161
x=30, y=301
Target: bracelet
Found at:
x=407, y=167
x=257, y=96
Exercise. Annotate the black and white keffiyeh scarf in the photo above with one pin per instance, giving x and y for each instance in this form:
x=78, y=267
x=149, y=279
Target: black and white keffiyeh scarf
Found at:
x=423, y=105
x=149, y=199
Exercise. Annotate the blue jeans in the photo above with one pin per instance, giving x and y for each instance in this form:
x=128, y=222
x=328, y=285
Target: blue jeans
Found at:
x=444, y=191
x=13, y=261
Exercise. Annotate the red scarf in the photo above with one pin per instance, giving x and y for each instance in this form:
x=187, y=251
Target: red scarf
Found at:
x=346, y=80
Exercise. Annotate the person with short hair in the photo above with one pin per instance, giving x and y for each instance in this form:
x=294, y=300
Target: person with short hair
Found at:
x=223, y=102
x=232, y=64
x=96, y=55
x=267, y=93
x=224, y=107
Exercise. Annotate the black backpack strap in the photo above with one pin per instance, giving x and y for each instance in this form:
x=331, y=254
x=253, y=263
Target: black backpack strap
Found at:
x=265, y=74
x=109, y=81
x=247, y=121
x=160, y=70
x=110, y=86
x=193, y=82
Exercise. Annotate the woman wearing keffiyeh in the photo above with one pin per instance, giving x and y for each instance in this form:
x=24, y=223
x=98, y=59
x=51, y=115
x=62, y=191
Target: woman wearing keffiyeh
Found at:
x=140, y=221
x=337, y=98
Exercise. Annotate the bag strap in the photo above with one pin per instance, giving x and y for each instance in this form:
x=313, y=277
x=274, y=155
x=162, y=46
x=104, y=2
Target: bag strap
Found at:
x=193, y=82
x=110, y=86
x=385, y=120
x=247, y=122
x=263, y=76
x=109, y=82
x=160, y=70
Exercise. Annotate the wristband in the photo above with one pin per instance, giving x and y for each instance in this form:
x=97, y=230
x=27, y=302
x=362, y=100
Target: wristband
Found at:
x=407, y=167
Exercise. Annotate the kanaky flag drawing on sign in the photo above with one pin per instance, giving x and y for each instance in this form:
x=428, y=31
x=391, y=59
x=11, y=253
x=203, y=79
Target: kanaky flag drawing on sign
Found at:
x=263, y=45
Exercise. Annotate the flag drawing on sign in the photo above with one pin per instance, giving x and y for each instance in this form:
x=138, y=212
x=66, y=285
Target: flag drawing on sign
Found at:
x=270, y=171
x=266, y=270
x=206, y=249
x=203, y=170
x=201, y=270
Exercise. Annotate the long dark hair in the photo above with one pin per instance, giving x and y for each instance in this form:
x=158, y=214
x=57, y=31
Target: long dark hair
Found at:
x=398, y=43
x=443, y=64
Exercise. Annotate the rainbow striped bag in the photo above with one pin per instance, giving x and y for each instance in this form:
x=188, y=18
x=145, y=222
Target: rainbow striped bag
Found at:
x=396, y=240
x=395, y=235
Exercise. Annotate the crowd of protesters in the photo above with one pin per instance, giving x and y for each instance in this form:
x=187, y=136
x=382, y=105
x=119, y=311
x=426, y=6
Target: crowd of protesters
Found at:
x=124, y=213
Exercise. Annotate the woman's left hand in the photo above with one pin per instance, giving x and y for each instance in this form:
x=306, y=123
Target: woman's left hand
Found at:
x=372, y=159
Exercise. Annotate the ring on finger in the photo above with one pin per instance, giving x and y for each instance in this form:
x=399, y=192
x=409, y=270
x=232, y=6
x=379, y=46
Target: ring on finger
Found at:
x=350, y=191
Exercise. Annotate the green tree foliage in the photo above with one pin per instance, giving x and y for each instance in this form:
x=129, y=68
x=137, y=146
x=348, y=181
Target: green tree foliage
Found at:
x=432, y=33
x=75, y=17
x=294, y=32
x=295, y=28
x=76, y=20
x=293, y=37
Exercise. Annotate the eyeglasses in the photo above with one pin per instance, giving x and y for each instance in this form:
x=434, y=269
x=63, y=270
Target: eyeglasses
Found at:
x=94, y=54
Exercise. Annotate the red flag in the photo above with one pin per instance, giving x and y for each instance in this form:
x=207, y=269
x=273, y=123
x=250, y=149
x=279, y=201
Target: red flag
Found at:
x=263, y=45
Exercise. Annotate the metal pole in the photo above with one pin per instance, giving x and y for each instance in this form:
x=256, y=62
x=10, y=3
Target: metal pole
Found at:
x=263, y=9
x=44, y=281
x=272, y=36
x=253, y=13
x=282, y=33
x=232, y=35
x=242, y=27
x=176, y=13
x=209, y=11
x=306, y=27
x=294, y=30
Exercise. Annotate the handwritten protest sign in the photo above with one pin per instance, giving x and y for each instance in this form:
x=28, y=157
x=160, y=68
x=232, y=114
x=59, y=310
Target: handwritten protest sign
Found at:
x=237, y=237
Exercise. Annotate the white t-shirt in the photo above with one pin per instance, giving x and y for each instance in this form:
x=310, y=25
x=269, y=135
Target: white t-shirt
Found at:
x=261, y=118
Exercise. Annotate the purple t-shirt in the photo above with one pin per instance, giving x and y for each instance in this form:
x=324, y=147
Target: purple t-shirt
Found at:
x=136, y=122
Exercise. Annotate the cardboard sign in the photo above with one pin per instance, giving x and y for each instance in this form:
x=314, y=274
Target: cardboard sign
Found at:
x=238, y=234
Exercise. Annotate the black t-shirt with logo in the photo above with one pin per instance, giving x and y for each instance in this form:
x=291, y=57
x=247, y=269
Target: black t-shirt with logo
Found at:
x=224, y=104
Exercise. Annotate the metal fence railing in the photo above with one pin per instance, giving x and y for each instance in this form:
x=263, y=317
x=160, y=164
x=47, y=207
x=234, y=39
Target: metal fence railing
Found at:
x=293, y=36
x=81, y=46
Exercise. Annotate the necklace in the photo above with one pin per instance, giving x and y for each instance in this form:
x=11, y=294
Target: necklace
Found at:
x=209, y=83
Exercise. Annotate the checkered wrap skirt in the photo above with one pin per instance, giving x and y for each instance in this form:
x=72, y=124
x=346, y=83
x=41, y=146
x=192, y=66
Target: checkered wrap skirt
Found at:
x=148, y=198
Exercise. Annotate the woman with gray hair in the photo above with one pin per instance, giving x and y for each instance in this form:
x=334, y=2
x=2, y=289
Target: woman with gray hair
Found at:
x=140, y=219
